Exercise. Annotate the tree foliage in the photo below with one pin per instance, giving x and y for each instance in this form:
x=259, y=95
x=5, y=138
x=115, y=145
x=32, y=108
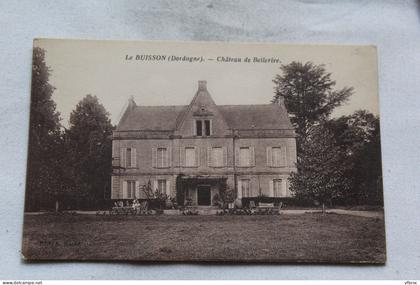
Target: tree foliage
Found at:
x=308, y=93
x=340, y=161
x=43, y=175
x=89, y=148
x=321, y=168
x=358, y=136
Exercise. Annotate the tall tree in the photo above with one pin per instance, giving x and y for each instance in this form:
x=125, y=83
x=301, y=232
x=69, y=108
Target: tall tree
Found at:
x=358, y=137
x=43, y=181
x=89, y=146
x=321, y=167
x=308, y=93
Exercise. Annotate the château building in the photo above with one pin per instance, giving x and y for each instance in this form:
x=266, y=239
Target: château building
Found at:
x=202, y=147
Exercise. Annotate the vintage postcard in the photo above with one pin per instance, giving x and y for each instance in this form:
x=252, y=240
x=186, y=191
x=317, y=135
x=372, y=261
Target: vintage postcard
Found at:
x=204, y=151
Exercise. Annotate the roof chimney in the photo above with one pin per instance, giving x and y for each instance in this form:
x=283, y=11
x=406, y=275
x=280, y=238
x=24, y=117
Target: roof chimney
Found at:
x=202, y=85
x=131, y=102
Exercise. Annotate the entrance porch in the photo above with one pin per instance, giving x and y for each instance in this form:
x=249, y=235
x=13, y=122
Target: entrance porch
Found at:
x=199, y=190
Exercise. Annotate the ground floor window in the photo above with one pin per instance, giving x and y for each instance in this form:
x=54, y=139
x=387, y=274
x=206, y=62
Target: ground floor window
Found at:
x=245, y=187
x=130, y=189
x=278, y=187
x=162, y=186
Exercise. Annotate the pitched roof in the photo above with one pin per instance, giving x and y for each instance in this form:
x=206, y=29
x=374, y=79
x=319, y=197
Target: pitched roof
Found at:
x=239, y=117
x=246, y=117
x=155, y=118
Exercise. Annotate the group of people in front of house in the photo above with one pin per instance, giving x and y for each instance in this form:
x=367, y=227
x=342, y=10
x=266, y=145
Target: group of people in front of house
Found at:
x=134, y=204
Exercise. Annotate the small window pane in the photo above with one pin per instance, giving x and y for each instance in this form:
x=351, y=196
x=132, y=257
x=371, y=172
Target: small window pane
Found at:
x=128, y=157
x=199, y=128
x=207, y=127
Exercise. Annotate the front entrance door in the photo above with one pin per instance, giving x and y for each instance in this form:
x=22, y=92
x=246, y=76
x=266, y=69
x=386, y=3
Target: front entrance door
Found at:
x=203, y=195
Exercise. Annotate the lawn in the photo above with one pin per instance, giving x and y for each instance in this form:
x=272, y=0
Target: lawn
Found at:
x=286, y=238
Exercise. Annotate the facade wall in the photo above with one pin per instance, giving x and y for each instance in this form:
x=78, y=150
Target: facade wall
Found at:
x=259, y=174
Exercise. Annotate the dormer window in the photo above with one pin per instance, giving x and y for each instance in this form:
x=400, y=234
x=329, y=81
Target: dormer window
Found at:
x=203, y=128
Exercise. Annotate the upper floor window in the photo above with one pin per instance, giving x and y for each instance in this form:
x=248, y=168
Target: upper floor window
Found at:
x=244, y=156
x=276, y=156
x=217, y=157
x=128, y=157
x=203, y=128
x=190, y=158
x=162, y=157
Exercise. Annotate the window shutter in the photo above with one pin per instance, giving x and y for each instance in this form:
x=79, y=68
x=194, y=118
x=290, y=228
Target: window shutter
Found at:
x=168, y=187
x=133, y=157
x=269, y=156
x=252, y=156
x=209, y=156
x=283, y=157
x=154, y=157
x=183, y=156
x=239, y=188
x=122, y=157
x=211, y=127
x=137, y=192
x=284, y=187
x=124, y=193
x=224, y=156
x=237, y=156
x=169, y=157
x=112, y=187
x=249, y=193
x=271, y=194
x=197, y=156
x=155, y=186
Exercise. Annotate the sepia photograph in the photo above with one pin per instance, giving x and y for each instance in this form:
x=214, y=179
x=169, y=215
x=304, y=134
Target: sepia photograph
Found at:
x=204, y=152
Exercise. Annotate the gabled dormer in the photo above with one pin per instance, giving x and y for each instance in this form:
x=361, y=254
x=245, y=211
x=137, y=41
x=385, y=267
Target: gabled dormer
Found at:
x=202, y=117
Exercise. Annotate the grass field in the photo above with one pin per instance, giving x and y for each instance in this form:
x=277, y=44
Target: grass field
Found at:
x=285, y=238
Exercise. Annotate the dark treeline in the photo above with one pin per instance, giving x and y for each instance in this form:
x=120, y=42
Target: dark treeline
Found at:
x=339, y=160
x=67, y=168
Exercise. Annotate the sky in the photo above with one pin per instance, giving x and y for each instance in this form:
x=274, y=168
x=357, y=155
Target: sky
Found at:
x=103, y=68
